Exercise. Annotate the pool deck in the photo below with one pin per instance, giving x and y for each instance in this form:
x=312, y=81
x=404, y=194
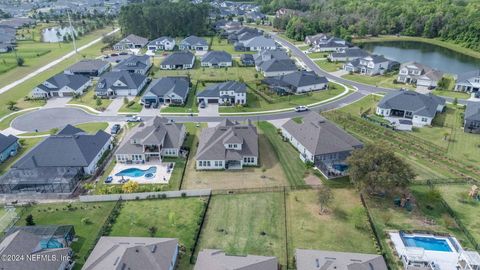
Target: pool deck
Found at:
x=161, y=176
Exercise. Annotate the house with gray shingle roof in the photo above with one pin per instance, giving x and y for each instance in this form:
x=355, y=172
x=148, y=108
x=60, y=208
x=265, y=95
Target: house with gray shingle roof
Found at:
x=88, y=67
x=167, y=90
x=274, y=63
x=418, y=108
x=332, y=260
x=419, y=74
x=131, y=42
x=471, y=118
x=230, y=145
x=178, y=60
x=120, y=83
x=255, y=44
x=62, y=85
x=8, y=146
x=212, y=259
x=162, y=44
x=194, y=43
x=154, y=139
x=321, y=142
x=121, y=253
x=468, y=81
x=216, y=59
x=371, y=65
x=325, y=43
x=296, y=83
x=226, y=93
x=348, y=54
x=135, y=64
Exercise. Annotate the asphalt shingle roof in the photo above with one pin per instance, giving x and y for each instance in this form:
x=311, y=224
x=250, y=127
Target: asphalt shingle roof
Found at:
x=211, y=259
x=296, y=79
x=216, y=57
x=194, y=41
x=214, y=90
x=275, y=65
x=6, y=141
x=179, y=58
x=134, y=62
x=88, y=65
x=61, y=80
x=160, y=40
x=168, y=85
x=419, y=104
x=331, y=260
x=135, y=39
x=472, y=113
x=131, y=80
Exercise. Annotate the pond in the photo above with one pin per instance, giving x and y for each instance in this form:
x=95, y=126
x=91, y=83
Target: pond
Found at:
x=55, y=34
x=431, y=55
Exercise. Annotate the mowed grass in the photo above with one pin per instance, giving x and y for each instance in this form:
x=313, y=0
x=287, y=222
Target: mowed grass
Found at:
x=218, y=44
x=246, y=224
x=452, y=94
x=88, y=99
x=59, y=214
x=333, y=230
x=90, y=128
x=329, y=66
x=172, y=218
x=378, y=80
x=26, y=145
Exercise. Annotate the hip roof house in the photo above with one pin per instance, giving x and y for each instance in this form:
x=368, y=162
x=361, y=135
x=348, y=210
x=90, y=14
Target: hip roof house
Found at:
x=130, y=42
x=194, y=43
x=179, y=60
x=88, y=67
x=62, y=85
x=274, y=63
x=297, y=82
x=212, y=259
x=226, y=93
x=472, y=118
x=331, y=260
x=135, y=64
x=168, y=90
x=216, y=59
x=162, y=43
x=120, y=83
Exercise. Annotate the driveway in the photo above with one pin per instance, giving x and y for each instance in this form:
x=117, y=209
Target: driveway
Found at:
x=112, y=109
x=149, y=112
x=209, y=110
x=57, y=102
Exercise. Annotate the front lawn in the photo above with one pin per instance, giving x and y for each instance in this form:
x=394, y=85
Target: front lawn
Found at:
x=189, y=107
x=26, y=145
x=89, y=99
x=452, y=94
x=316, y=55
x=329, y=66
x=131, y=107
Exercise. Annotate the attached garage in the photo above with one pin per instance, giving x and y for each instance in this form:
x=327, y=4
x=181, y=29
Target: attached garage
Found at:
x=212, y=100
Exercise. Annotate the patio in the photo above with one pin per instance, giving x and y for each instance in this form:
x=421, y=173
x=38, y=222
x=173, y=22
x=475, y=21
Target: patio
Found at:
x=140, y=172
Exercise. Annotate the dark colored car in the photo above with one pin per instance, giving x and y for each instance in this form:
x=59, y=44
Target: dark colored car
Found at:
x=115, y=129
x=155, y=105
x=148, y=105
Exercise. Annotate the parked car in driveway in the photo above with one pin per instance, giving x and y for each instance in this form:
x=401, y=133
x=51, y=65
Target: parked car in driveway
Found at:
x=134, y=119
x=301, y=108
x=202, y=105
x=148, y=105
x=155, y=105
x=115, y=129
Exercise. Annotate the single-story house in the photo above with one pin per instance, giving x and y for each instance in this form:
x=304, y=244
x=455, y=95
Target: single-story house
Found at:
x=36, y=242
x=332, y=260
x=231, y=26
x=58, y=163
x=370, y=65
x=255, y=16
x=213, y=259
x=419, y=74
x=348, y=54
x=226, y=93
x=296, y=82
x=179, y=60
x=8, y=146
x=325, y=43
x=155, y=139
x=62, y=85
x=245, y=33
x=471, y=119
x=321, y=142
x=247, y=60
x=133, y=253
x=229, y=145
x=131, y=42
x=216, y=59
x=168, y=90
x=88, y=67
x=194, y=43
x=411, y=105
x=162, y=44
x=120, y=83
x=256, y=43
x=468, y=82
x=135, y=64
x=274, y=63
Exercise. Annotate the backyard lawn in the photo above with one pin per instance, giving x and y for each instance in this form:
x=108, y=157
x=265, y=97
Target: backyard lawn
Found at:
x=246, y=224
x=27, y=144
x=223, y=45
x=59, y=214
x=329, y=66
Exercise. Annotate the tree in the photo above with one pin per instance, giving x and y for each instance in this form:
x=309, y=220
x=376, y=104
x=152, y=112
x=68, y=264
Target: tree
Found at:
x=125, y=100
x=375, y=168
x=445, y=136
x=455, y=101
x=152, y=231
x=325, y=198
x=130, y=187
x=29, y=220
x=20, y=61
x=443, y=84
x=98, y=102
x=11, y=105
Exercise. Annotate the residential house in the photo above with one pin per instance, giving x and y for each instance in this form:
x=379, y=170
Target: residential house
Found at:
x=247, y=60
x=283, y=12
x=468, y=82
x=139, y=64
x=255, y=16
x=216, y=59
x=179, y=60
x=131, y=42
x=62, y=85
x=162, y=44
x=332, y=260
x=231, y=26
x=229, y=145
x=167, y=90
x=256, y=43
x=194, y=43
x=419, y=74
x=321, y=142
x=57, y=163
x=120, y=83
x=153, y=140
x=418, y=108
x=325, y=43
x=274, y=63
x=88, y=67
x=244, y=33
x=213, y=259
x=471, y=119
x=370, y=65
x=348, y=54
x=52, y=243
x=226, y=93
x=297, y=82
x=8, y=146
x=120, y=253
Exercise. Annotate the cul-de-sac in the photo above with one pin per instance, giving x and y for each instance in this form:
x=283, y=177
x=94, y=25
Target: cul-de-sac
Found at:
x=239, y=135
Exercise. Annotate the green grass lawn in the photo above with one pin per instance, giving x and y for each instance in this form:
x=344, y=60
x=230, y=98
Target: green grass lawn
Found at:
x=367, y=105
x=88, y=100
x=316, y=55
x=246, y=224
x=343, y=227
x=136, y=107
x=223, y=45
x=452, y=94
x=87, y=127
x=58, y=213
x=190, y=106
x=329, y=66
x=173, y=218
x=385, y=81
x=26, y=144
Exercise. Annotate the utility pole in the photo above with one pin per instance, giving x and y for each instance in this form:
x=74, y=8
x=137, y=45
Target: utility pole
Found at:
x=72, y=32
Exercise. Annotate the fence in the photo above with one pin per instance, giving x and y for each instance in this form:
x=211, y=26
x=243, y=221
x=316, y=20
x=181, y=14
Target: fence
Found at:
x=199, y=231
x=146, y=195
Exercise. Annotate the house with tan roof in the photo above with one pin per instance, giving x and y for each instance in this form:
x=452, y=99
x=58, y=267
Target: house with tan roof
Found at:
x=213, y=259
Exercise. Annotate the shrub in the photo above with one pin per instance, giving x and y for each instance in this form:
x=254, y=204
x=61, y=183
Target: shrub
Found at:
x=86, y=221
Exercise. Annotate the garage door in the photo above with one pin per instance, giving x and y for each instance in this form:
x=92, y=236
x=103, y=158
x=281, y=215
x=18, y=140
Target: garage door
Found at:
x=54, y=94
x=67, y=94
x=212, y=100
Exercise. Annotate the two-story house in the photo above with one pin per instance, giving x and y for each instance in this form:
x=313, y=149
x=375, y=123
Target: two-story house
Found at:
x=162, y=44
x=468, y=82
x=370, y=65
x=471, y=119
x=226, y=93
x=131, y=42
x=274, y=63
x=419, y=74
x=135, y=64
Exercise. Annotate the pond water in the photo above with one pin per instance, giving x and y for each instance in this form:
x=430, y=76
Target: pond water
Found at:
x=55, y=34
x=431, y=55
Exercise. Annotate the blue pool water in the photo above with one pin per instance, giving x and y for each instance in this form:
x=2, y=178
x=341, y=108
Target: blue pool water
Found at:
x=427, y=243
x=135, y=172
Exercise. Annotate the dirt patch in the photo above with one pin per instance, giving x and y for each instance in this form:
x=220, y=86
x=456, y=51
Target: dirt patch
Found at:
x=312, y=180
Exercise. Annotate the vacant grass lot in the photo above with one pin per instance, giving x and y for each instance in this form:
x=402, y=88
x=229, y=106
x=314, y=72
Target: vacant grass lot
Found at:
x=246, y=224
x=378, y=80
x=59, y=214
x=329, y=66
x=452, y=94
x=26, y=144
x=219, y=44
x=317, y=55
x=172, y=218
x=343, y=227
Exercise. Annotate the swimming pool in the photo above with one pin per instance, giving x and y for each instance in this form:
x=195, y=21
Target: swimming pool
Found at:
x=135, y=172
x=427, y=243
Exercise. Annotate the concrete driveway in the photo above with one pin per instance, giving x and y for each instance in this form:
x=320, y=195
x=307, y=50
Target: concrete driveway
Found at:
x=113, y=108
x=209, y=110
x=57, y=102
x=149, y=111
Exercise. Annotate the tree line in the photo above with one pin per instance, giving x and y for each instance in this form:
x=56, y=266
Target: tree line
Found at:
x=453, y=20
x=155, y=18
